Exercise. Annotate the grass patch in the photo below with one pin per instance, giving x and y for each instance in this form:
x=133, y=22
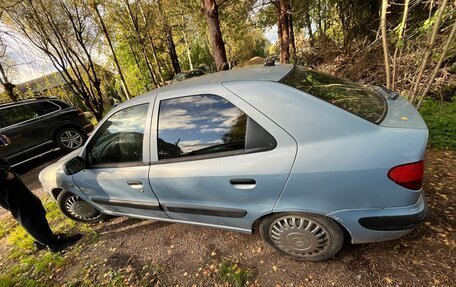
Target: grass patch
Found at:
x=232, y=273
x=6, y=227
x=22, y=267
x=440, y=118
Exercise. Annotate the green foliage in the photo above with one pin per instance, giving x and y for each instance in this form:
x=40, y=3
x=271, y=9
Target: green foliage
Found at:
x=37, y=269
x=440, y=118
x=234, y=274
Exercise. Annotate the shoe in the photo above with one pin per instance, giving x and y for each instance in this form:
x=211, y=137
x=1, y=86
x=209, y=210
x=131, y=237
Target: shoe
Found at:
x=38, y=246
x=64, y=242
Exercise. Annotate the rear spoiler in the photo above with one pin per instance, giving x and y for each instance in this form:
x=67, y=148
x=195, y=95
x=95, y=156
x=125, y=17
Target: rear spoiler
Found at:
x=387, y=93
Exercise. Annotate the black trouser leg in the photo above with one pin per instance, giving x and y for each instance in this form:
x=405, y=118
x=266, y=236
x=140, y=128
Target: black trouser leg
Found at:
x=27, y=209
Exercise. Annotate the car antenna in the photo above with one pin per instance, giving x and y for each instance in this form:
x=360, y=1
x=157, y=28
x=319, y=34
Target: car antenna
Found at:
x=271, y=63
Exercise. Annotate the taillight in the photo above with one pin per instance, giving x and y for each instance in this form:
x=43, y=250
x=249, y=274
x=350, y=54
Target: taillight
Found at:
x=408, y=175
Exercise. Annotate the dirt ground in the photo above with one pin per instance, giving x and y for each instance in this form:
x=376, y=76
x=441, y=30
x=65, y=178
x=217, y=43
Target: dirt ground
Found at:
x=151, y=253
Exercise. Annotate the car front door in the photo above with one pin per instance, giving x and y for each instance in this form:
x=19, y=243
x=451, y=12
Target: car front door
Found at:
x=217, y=160
x=116, y=177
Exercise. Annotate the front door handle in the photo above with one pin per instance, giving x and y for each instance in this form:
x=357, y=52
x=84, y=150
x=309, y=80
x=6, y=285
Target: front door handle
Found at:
x=243, y=183
x=135, y=184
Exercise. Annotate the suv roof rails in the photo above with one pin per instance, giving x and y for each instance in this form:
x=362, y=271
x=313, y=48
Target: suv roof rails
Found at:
x=28, y=100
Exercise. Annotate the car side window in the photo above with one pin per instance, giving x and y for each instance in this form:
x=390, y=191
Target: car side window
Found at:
x=16, y=114
x=120, y=138
x=207, y=125
x=43, y=108
x=24, y=112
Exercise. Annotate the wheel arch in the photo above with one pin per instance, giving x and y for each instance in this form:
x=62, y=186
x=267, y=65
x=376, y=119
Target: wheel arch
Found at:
x=55, y=192
x=256, y=223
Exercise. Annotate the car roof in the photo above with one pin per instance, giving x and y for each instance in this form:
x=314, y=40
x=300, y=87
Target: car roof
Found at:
x=250, y=73
x=25, y=101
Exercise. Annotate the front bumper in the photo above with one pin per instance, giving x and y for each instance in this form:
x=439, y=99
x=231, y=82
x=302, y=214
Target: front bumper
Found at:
x=372, y=225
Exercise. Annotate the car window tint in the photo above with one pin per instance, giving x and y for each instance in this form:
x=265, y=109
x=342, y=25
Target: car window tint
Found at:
x=43, y=108
x=120, y=138
x=16, y=114
x=23, y=112
x=206, y=124
x=352, y=97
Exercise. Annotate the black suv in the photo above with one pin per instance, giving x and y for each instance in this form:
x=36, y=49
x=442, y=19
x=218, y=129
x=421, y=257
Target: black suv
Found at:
x=39, y=126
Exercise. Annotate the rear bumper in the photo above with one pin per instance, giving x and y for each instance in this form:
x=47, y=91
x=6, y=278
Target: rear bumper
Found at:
x=393, y=223
x=372, y=225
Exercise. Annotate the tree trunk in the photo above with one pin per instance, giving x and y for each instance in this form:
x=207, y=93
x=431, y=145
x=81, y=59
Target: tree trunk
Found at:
x=320, y=30
x=291, y=32
x=157, y=62
x=7, y=85
x=187, y=48
x=172, y=49
x=114, y=56
x=134, y=22
x=210, y=10
x=138, y=65
x=450, y=41
x=169, y=42
x=184, y=35
x=309, y=28
x=430, y=47
x=283, y=30
x=9, y=91
x=151, y=43
x=385, y=43
x=399, y=44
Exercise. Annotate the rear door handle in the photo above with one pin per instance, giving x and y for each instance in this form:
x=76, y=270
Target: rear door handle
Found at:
x=135, y=184
x=243, y=183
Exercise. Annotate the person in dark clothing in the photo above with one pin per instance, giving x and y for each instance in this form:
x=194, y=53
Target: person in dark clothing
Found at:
x=28, y=210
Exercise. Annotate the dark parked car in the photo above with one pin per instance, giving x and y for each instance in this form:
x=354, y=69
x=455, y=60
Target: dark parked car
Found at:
x=38, y=126
x=188, y=74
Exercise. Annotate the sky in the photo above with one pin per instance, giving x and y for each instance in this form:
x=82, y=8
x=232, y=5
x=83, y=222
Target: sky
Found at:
x=31, y=64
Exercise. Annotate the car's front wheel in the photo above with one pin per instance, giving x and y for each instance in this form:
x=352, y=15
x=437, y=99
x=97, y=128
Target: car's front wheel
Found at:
x=303, y=236
x=69, y=139
x=78, y=209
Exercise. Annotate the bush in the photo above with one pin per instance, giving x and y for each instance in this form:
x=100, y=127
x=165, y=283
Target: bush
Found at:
x=440, y=118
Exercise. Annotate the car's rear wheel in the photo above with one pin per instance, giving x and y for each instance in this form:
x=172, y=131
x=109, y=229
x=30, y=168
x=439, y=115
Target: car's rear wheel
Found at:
x=303, y=236
x=78, y=209
x=69, y=139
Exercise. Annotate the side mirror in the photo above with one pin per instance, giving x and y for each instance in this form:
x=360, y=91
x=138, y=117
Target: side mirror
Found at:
x=73, y=166
x=4, y=140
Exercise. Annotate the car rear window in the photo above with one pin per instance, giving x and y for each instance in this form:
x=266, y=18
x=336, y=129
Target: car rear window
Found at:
x=354, y=98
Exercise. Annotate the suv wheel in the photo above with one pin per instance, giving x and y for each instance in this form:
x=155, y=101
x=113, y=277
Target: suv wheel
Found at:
x=78, y=209
x=69, y=139
x=303, y=236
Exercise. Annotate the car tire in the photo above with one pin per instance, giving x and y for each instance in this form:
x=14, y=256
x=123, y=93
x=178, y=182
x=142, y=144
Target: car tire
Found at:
x=78, y=209
x=69, y=139
x=303, y=236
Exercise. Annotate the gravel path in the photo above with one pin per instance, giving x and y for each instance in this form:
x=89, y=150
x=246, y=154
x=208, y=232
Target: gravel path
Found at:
x=186, y=255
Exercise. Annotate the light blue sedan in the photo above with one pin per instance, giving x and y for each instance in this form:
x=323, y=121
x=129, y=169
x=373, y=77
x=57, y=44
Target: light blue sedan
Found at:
x=306, y=158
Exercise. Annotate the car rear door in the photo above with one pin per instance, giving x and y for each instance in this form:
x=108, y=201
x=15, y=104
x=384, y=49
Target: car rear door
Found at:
x=25, y=126
x=216, y=159
x=117, y=157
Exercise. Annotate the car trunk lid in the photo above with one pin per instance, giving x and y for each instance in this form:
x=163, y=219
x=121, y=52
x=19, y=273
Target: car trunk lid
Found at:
x=401, y=113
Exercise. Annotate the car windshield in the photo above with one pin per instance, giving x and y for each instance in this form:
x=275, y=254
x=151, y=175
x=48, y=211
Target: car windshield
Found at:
x=354, y=98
